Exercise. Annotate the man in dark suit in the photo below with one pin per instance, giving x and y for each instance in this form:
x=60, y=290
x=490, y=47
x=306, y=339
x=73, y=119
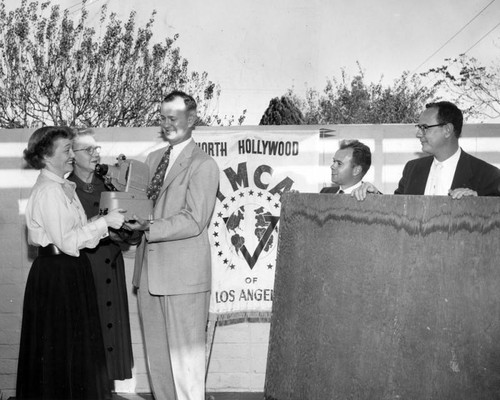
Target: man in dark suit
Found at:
x=173, y=263
x=448, y=170
x=349, y=165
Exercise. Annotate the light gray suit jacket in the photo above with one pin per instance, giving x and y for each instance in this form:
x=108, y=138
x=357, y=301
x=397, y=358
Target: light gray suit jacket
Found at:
x=176, y=248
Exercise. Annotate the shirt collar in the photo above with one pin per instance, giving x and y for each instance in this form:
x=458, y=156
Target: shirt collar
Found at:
x=177, y=149
x=450, y=161
x=68, y=186
x=351, y=188
x=50, y=175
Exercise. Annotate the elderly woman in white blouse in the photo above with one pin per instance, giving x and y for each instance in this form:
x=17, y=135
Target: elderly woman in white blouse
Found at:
x=61, y=353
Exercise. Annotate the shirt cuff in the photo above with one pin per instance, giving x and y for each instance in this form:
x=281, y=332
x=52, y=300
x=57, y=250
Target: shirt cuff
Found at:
x=101, y=227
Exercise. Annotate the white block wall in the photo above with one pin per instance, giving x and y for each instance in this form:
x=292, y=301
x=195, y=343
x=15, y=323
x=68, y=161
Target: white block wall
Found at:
x=239, y=353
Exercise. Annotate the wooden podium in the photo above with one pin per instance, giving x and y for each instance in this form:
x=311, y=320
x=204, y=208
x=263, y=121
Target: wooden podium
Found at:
x=395, y=297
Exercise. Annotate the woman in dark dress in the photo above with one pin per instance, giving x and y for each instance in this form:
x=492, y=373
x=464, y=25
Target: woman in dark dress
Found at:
x=61, y=351
x=107, y=262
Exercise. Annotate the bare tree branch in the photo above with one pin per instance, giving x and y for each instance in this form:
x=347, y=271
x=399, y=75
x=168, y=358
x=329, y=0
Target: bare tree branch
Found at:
x=54, y=70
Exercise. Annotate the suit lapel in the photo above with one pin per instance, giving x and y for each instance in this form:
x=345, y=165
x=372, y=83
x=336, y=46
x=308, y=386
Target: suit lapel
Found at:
x=463, y=173
x=421, y=176
x=181, y=162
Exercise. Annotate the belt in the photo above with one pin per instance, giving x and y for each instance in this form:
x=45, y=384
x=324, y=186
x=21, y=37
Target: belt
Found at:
x=49, y=250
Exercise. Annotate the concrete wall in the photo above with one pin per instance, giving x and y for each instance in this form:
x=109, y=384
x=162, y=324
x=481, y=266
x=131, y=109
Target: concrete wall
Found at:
x=239, y=353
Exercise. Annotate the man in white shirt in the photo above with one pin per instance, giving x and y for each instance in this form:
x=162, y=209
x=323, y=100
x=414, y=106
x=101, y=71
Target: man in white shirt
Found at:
x=350, y=164
x=448, y=170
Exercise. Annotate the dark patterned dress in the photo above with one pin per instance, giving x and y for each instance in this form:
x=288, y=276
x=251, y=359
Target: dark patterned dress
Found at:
x=109, y=277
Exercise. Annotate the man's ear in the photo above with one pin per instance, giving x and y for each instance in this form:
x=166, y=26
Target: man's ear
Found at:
x=357, y=170
x=450, y=130
x=192, y=117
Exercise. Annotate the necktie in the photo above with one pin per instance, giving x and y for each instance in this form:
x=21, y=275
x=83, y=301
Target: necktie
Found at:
x=340, y=191
x=157, y=181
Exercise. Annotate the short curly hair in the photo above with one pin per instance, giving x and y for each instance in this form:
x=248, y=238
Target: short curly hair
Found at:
x=189, y=101
x=83, y=132
x=41, y=144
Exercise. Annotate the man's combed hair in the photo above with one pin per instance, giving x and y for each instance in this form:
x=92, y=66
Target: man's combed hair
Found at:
x=189, y=101
x=449, y=113
x=41, y=144
x=361, y=154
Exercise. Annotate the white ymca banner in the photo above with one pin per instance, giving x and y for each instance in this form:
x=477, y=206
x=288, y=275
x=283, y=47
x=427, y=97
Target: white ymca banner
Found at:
x=256, y=167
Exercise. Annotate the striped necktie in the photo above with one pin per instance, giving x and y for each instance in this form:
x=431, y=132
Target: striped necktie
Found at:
x=157, y=181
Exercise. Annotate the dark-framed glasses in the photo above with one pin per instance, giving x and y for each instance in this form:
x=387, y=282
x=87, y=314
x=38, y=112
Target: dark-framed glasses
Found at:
x=423, y=127
x=91, y=150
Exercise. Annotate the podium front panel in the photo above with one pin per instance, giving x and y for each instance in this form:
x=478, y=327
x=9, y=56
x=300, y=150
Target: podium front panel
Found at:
x=394, y=297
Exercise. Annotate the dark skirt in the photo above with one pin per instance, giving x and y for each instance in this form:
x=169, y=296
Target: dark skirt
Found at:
x=61, y=352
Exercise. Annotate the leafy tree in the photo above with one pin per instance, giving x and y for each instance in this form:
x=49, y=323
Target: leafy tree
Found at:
x=282, y=112
x=475, y=88
x=353, y=101
x=54, y=70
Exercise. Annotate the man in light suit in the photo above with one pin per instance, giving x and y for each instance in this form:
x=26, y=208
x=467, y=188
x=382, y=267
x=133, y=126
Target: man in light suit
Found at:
x=448, y=170
x=349, y=165
x=173, y=264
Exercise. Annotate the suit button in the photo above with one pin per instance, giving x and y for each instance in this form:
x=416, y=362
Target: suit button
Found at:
x=108, y=281
x=109, y=303
x=107, y=260
x=110, y=325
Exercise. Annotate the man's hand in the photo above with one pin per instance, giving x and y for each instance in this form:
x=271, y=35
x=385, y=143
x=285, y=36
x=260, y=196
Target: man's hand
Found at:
x=461, y=192
x=125, y=235
x=137, y=224
x=365, y=188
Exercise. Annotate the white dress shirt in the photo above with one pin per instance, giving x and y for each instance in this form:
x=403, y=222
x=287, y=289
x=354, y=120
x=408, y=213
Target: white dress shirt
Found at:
x=176, y=150
x=441, y=175
x=54, y=214
x=351, y=188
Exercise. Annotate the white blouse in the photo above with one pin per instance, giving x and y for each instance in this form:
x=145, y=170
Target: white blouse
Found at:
x=54, y=214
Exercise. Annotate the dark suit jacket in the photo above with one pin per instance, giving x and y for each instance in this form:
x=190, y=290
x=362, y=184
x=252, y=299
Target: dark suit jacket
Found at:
x=471, y=173
x=330, y=189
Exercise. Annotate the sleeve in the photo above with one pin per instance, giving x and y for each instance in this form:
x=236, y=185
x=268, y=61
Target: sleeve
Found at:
x=403, y=182
x=490, y=185
x=62, y=224
x=192, y=219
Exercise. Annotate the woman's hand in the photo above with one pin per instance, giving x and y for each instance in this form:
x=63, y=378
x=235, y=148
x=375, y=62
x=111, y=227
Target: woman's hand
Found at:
x=115, y=218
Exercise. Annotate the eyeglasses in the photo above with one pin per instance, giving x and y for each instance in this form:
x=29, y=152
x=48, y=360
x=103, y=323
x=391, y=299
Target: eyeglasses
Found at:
x=423, y=127
x=90, y=150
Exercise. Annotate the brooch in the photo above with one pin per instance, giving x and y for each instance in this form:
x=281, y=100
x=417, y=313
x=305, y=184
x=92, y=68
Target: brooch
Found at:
x=88, y=188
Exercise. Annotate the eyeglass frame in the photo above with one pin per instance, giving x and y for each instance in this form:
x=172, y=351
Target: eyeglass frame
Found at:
x=423, y=127
x=91, y=150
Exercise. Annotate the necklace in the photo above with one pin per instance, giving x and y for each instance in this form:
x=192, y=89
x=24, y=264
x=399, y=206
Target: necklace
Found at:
x=88, y=188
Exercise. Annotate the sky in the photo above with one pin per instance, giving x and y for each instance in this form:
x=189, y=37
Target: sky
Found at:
x=257, y=49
